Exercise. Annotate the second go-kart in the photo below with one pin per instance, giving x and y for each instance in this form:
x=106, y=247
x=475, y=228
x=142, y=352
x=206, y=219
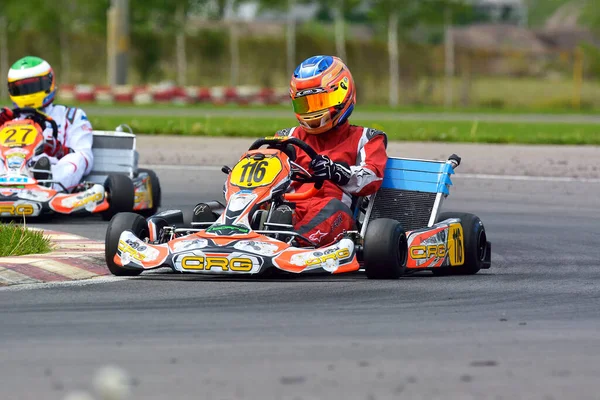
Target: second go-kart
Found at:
x=244, y=240
x=114, y=185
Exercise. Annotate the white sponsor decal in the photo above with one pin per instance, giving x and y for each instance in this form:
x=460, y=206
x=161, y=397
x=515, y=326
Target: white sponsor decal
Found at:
x=15, y=179
x=15, y=162
x=327, y=258
x=133, y=249
x=189, y=244
x=88, y=199
x=238, y=201
x=262, y=248
x=34, y=195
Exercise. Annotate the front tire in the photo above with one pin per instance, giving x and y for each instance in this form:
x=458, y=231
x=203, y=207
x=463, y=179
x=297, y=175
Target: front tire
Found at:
x=385, y=249
x=475, y=244
x=119, y=223
x=121, y=193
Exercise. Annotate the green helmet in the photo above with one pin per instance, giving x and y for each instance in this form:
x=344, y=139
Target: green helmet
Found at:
x=31, y=83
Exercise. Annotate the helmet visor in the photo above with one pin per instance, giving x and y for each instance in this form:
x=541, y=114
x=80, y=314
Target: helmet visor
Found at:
x=313, y=102
x=30, y=85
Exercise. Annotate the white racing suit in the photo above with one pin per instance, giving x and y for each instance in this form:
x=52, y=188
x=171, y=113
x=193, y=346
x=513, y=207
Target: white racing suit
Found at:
x=71, y=159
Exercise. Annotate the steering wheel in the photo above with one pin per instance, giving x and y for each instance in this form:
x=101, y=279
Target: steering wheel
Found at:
x=38, y=117
x=299, y=173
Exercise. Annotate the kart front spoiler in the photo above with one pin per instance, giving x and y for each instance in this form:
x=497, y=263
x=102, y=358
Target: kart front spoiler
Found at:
x=35, y=200
x=231, y=256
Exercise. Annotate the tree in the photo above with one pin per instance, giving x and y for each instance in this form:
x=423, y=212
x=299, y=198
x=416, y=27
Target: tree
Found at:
x=340, y=37
x=401, y=17
x=57, y=20
x=234, y=47
x=3, y=54
x=181, y=19
x=539, y=11
x=149, y=17
x=590, y=14
x=339, y=12
x=288, y=6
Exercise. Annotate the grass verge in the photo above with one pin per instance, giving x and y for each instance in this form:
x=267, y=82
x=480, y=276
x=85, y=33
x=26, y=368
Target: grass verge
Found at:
x=17, y=240
x=427, y=131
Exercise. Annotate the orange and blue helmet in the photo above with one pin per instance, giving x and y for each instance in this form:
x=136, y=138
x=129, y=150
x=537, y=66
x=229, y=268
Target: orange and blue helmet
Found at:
x=323, y=93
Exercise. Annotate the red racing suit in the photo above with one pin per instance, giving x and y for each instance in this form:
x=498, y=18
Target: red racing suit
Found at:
x=327, y=216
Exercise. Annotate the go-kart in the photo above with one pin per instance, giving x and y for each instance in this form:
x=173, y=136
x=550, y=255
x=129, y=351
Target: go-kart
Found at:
x=245, y=240
x=102, y=191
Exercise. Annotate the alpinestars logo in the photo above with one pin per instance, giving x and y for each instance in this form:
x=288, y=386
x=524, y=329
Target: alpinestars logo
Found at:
x=317, y=236
x=362, y=173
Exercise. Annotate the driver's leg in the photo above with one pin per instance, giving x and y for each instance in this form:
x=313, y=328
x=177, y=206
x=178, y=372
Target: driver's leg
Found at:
x=69, y=170
x=323, y=220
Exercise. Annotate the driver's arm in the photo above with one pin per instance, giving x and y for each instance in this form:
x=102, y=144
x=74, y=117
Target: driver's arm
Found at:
x=366, y=176
x=79, y=136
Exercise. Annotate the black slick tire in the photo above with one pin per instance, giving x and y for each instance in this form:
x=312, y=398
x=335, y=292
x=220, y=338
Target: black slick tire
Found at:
x=120, y=192
x=385, y=249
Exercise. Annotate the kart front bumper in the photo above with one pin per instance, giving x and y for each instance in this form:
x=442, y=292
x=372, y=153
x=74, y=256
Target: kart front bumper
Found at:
x=194, y=254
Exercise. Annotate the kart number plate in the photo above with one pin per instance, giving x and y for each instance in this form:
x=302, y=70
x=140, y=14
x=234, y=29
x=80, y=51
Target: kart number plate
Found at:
x=251, y=173
x=456, y=251
x=17, y=136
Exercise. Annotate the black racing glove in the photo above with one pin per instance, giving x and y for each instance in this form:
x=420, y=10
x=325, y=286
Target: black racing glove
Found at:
x=6, y=115
x=323, y=167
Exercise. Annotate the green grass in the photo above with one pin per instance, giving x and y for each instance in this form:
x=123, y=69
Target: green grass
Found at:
x=427, y=131
x=17, y=240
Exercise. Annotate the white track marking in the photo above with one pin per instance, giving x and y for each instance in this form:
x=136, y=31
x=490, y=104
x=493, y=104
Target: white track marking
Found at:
x=171, y=167
x=528, y=178
x=566, y=179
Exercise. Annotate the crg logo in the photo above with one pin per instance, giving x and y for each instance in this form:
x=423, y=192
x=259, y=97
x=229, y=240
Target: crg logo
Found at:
x=16, y=210
x=237, y=264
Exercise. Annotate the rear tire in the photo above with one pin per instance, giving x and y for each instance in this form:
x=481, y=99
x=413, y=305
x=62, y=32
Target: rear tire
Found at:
x=385, y=249
x=119, y=223
x=155, y=191
x=121, y=193
x=475, y=245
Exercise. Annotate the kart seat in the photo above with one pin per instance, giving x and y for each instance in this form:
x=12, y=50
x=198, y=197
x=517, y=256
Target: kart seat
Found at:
x=411, y=193
x=114, y=153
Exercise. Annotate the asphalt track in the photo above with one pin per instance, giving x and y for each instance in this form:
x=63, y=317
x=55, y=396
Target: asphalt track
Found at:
x=526, y=329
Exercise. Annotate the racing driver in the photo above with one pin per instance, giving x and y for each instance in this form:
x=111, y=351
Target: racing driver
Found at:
x=31, y=83
x=351, y=158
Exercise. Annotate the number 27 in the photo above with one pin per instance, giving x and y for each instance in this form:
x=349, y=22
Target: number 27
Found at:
x=13, y=132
